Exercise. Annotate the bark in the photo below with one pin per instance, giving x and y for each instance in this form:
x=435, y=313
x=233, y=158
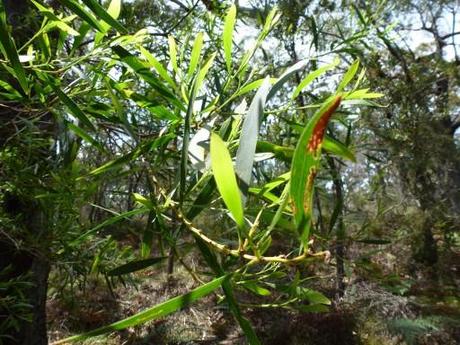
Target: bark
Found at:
x=338, y=224
x=24, y=250
x=29, y=263
x=35, y=332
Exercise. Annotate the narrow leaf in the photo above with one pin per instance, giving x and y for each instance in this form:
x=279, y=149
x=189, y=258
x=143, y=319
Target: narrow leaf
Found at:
x=249, y=134
x=10, y=52
x=110, y=221
x=139, y=67
x=195, y=55
x=248, y=331
x=312, y=296
x=252, y=86
x=281, y=152
x=312, y=76
x=285, y=77
x=170, y=306
x=348, y=76
x=73, y=107
x=337, y=148
x=255, y=288
x=185, y=143
x=305, y=165
x=173, y=53
x=227, y=36
x=203, y=71
x=158, y=67
x=102, y=13
x=82, y=13
x=85, y=136
x=114, y=9
x=116, y=163
x=222, y=168
x=49, y=13
x=135, y=266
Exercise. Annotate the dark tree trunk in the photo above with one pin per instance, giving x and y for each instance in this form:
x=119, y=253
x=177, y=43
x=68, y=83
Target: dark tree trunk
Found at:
x=338, y=224
x=26, y=264
x=35, y=332
x=23, y=249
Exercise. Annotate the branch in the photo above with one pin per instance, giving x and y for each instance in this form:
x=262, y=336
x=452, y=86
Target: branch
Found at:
x=450, y=35
x=223, y=249
x=180, y=4
x=455, y=126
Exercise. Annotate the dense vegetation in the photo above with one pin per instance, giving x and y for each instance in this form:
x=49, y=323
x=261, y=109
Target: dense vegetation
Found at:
x=291, y=166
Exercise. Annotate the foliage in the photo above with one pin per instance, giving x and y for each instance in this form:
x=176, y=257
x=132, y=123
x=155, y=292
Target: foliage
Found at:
x=13, y=304
x=411, y=329
x=79, y=85
x=130, y=138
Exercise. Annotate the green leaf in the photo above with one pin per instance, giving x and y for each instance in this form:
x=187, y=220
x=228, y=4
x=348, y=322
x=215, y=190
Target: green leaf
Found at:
x=252, y=86
x=272, y=18
x=110, y=221
x=12, y=94
x=195, y=55
x=85, y=136
x=363, y=94
x=160, y=310
x=82, y=32
x=203, y=71
x=73, y=107
x=173, y=53
x=312, y=296
x=82, y=13
x=141, y=69
x=202, y=199
x=131, y=156
x=158, y=67
x=227, y=35
x=135, y=266
x=305, y=165
x=117, y=163
x=222, y=168
x=185, y=144
x=255, y=288
x=312, y=76
x=281, y=152
x=248, y=139
x=278, y=181
x=285, y=77
x=337, y=148
x=348, y=76
x=55, y=21
x=102, y=13
x=10, y=52
x=142, y=200
x=235, y=309
x=114, y=9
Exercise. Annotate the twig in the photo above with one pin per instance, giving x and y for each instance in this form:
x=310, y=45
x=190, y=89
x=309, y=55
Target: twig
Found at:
x=252, y=258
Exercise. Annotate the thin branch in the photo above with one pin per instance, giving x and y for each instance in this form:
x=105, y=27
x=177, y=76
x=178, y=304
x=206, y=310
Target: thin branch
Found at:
x=180, y=4
x=183, y=18
x=450, y=35
x=223, y=249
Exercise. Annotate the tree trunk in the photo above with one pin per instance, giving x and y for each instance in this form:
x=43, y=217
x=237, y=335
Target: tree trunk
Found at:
x=35, y=332
x=23, y=247
x=25, y=264
x=337, y=222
